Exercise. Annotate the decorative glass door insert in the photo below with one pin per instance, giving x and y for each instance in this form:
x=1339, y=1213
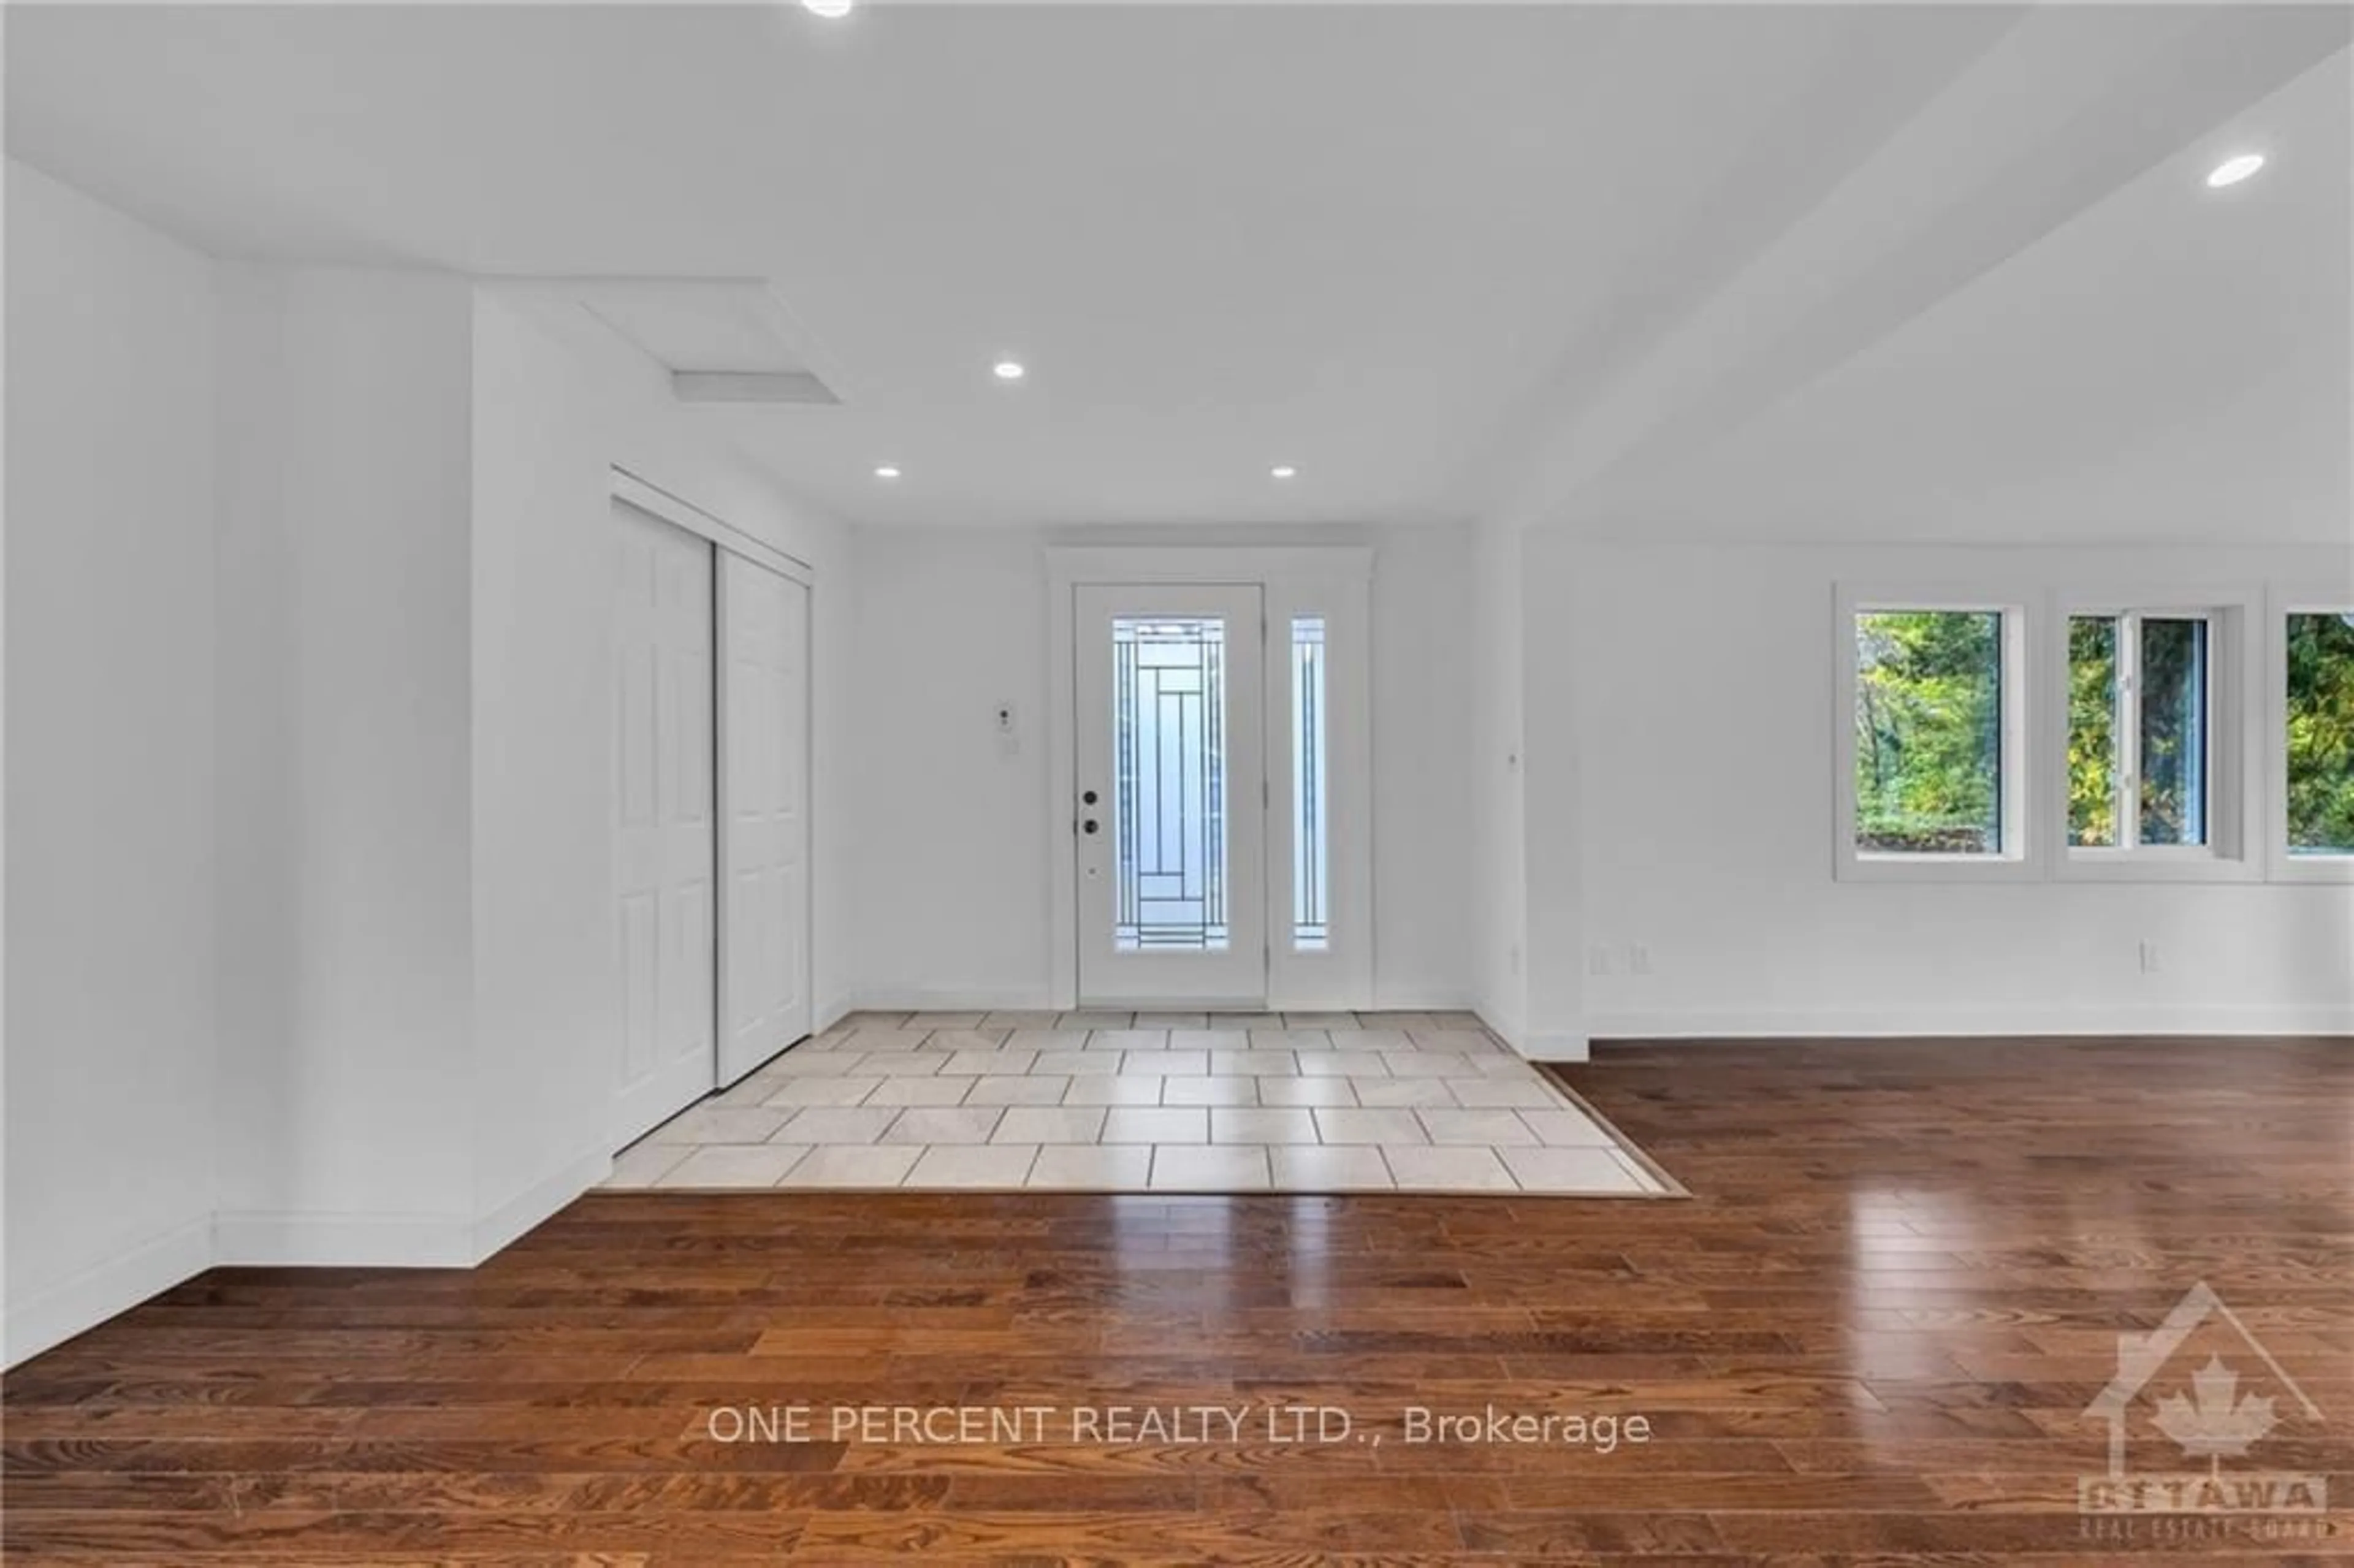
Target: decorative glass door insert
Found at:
x=1170, y=799
x=1169, y=788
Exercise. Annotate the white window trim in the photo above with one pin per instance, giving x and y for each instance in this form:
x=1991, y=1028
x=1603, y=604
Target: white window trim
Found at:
x=2020, y=859
x=2232, y=765
x=1331, y=580
x=2281, y=865
x=1283, y=632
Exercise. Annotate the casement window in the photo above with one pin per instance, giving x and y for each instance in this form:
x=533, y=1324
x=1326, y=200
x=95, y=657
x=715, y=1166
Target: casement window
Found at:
x=2311, y=744
x=2140, y=732
x=2204, y=736
x=1932, y=722
x=2151, y=761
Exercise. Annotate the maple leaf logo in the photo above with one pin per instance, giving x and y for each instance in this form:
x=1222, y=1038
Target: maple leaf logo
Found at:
x=2215, y=1421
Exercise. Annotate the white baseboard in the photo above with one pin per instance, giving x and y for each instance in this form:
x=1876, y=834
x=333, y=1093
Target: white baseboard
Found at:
x=1900, y=1022
x=1412, y=1002
x=1554, y=1046
x=51, y=1316
x=1018, y=999
x=956, y=999
x=1415, y=1001
x=537, y=1202
x=1539, y=1044
x=344, y=1240
x=1507, y=1030
x=54, y=1315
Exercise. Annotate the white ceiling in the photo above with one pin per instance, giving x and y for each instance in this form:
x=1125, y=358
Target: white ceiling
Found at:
x=1444, y=259
x=2173, y=363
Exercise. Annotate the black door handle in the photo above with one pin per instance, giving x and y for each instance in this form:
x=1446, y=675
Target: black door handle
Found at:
x=1089, y=825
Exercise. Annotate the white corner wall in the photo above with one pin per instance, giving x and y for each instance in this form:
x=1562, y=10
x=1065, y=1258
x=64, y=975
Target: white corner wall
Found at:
x=111, y=1060
x=1498, y=891
x=1423, y=769
x=1557, y=751
x=1705, y=680
x=541, y=766
x=345, y=1004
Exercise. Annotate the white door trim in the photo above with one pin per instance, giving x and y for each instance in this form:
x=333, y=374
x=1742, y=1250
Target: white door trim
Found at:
x=681, y=512
x=1295, y=578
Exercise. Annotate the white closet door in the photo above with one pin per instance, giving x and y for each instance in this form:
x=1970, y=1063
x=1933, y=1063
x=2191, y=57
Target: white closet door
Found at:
x=662, y=830
x=764, y=814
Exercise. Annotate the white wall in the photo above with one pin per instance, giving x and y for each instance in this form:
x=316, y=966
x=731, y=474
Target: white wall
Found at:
x=1557, y=752
x=109, y=701
x=953, y=891
x=952, y=848
x=1525, y=896
x=1423, y=768
x=1707, y=748
x=1497, y=890
x=346, y=1017
x=541, y=768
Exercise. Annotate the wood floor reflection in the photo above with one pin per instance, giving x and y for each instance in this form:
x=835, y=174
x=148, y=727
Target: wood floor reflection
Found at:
x=1871, y=1333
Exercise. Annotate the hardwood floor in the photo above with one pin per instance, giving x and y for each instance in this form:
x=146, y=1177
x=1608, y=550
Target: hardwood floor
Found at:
x=1870, y=1334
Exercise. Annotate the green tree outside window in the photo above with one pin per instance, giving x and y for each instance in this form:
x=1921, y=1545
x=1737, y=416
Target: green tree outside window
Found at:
x=1928, y=731
x=2320, y=734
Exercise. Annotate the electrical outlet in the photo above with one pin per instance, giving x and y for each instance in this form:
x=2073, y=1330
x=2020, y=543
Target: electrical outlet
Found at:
x=2148, y=955
x=1597, y=959
x=1639, y=959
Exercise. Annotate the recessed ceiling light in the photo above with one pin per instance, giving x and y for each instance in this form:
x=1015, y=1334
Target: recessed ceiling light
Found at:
x=1009, y=370
x=1284, y=470
x=886, y=471
x=2232, y=171
x=832, y=10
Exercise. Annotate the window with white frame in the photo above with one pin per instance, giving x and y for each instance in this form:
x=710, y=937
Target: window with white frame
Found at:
x=2316, y=730
x=1933, y=770
x=2144, y=735
x=2128, y=738
x=1311, y=887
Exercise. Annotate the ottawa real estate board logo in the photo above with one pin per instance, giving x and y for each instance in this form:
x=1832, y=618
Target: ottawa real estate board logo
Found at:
x=2204, y=1383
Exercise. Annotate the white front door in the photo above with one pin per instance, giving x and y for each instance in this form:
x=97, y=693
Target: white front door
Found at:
x=1169, y=804
x=663, y=842
x=764, y=961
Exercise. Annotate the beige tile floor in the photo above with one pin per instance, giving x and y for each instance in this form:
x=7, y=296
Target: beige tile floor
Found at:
x=1144, y=1102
